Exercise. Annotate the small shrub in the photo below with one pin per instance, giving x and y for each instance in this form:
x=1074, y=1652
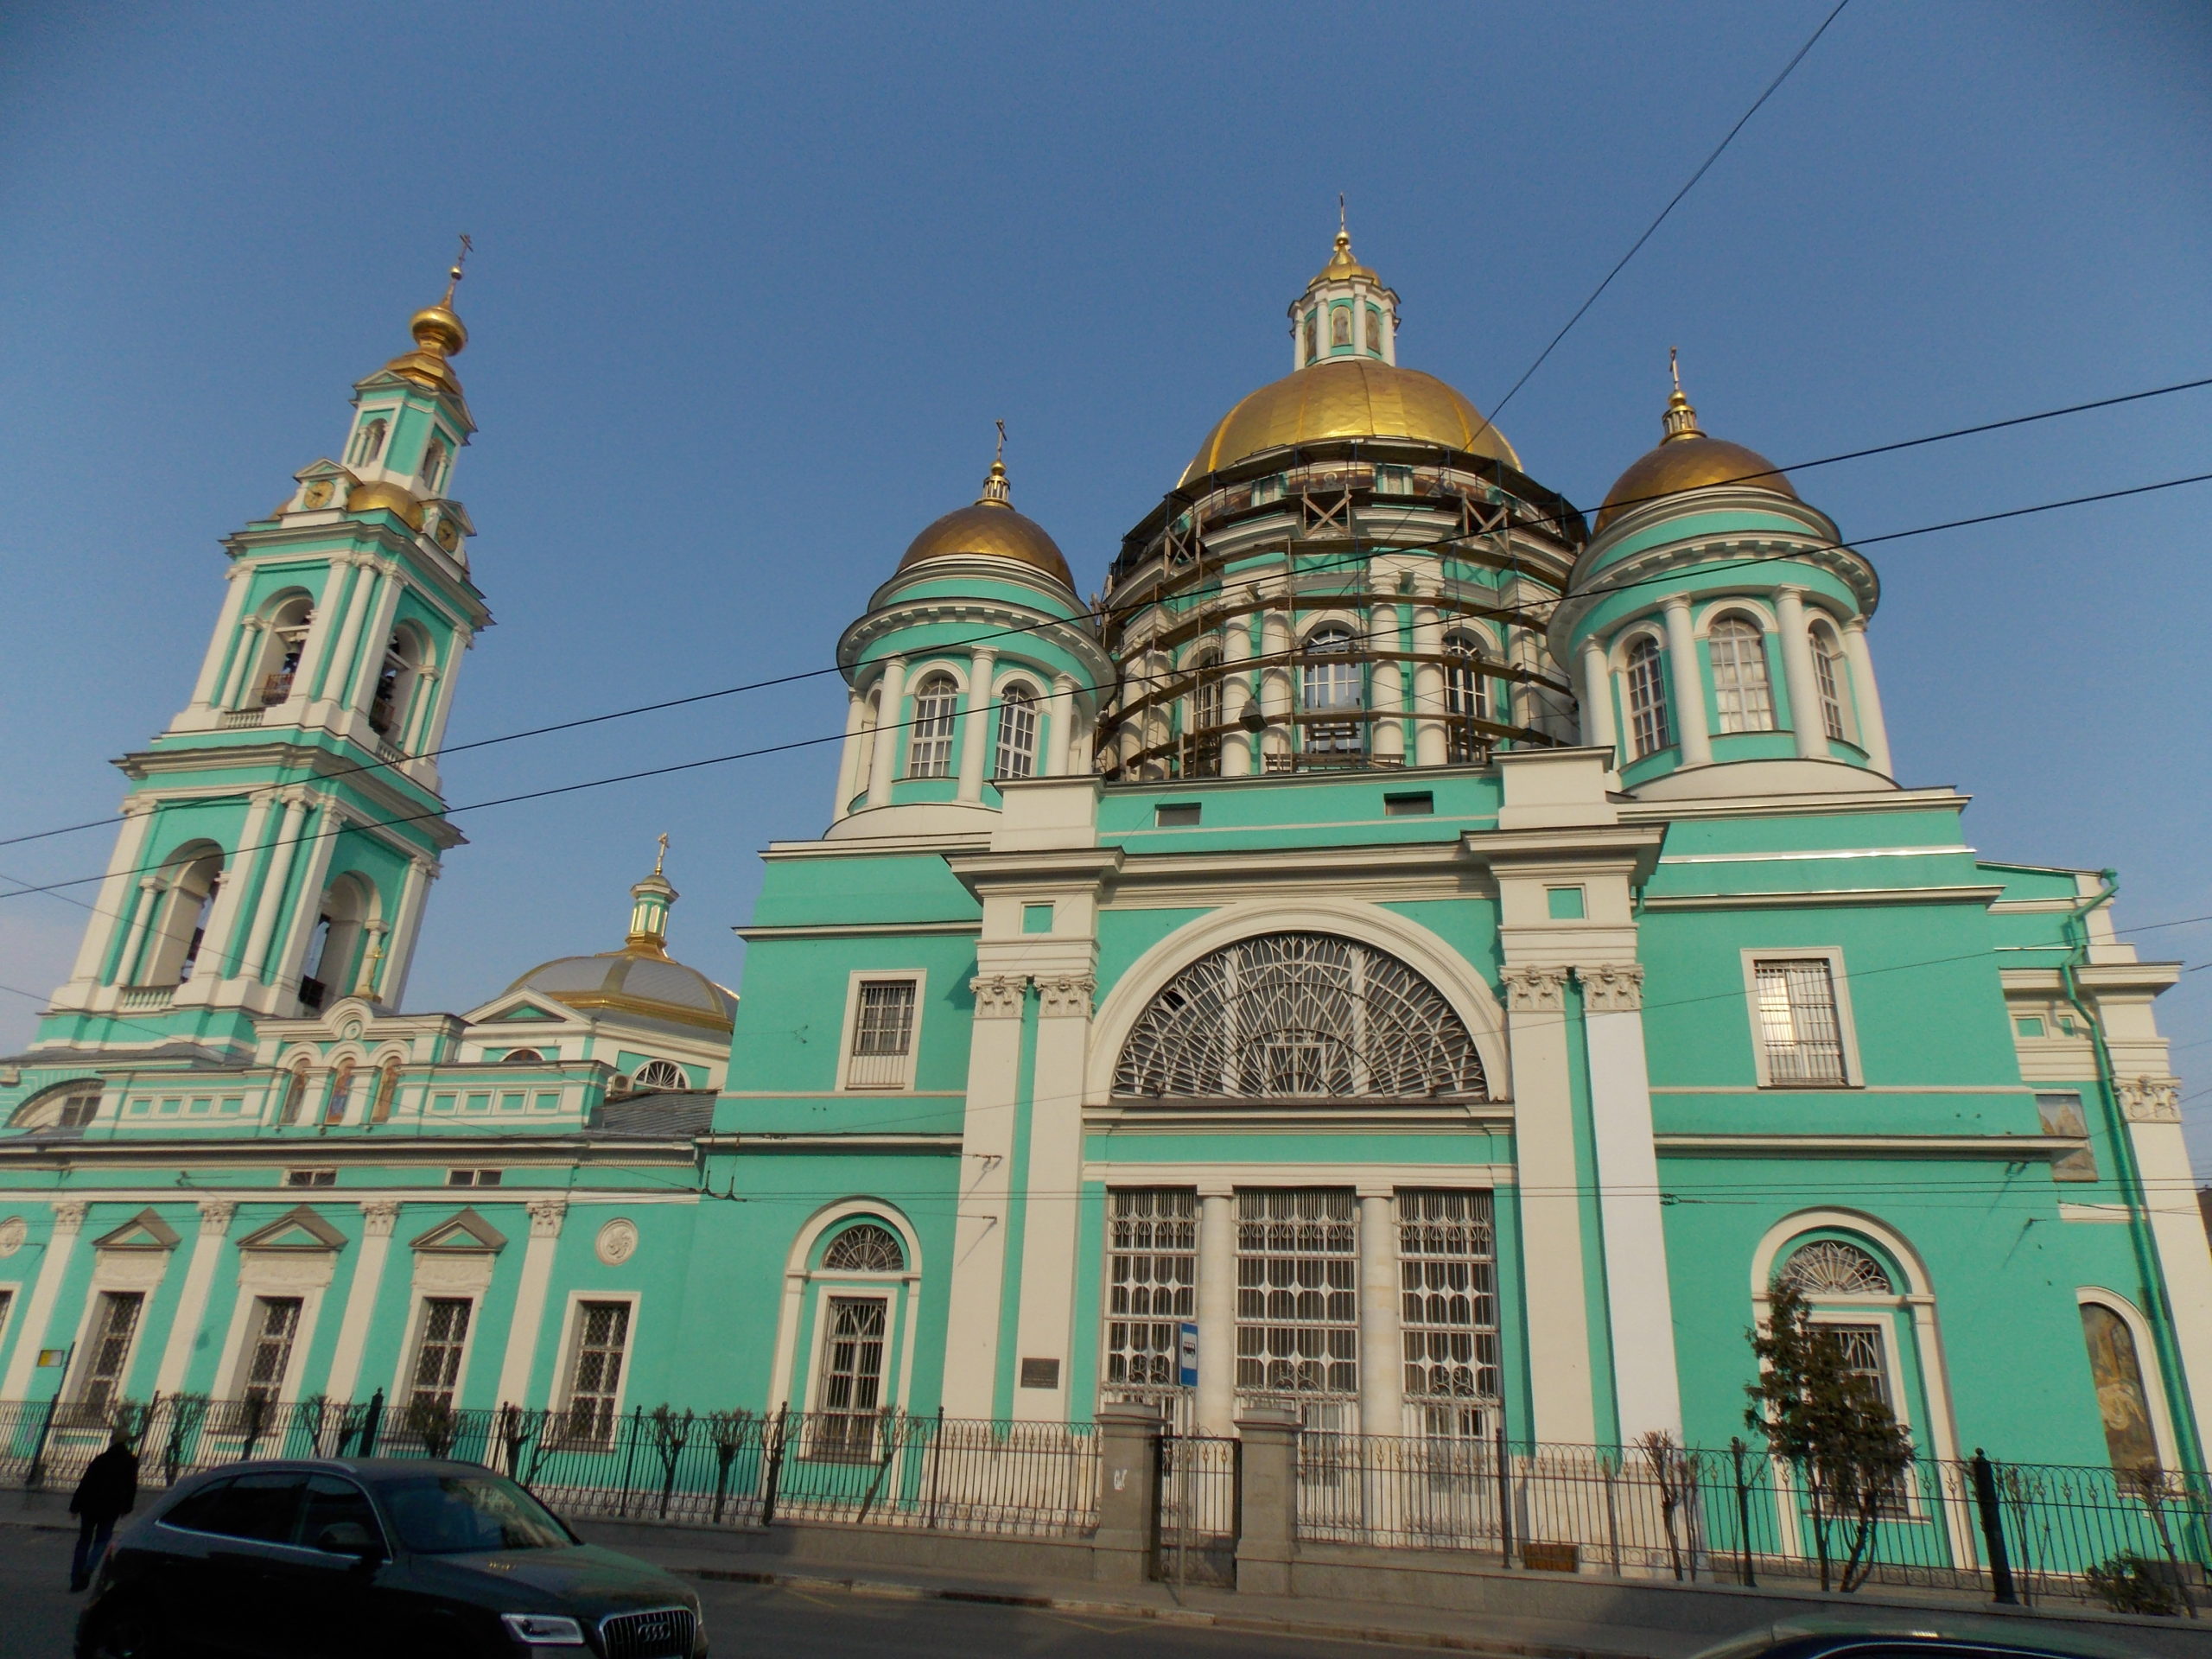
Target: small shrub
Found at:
x=2129, y=1582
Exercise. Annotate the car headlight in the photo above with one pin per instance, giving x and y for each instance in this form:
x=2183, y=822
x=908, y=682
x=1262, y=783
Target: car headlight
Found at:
x=544, y=1630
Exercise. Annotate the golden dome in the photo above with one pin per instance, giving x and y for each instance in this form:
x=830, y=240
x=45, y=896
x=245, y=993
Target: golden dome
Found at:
x=1341, y=265
x=990, y=527
x=367, y=497
x=1349, y=397
x=1688, y=460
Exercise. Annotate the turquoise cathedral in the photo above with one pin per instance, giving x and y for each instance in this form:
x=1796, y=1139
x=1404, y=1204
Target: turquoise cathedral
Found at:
x=1410, y=952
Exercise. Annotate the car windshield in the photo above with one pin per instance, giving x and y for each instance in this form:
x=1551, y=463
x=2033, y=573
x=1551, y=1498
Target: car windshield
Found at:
x=454, y=1514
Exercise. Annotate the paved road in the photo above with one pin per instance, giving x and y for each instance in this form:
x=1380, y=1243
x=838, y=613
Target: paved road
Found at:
x=38, y=1615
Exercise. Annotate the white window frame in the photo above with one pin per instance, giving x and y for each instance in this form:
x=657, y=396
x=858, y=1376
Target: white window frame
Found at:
x=915, y=737
x=294, y=1355
x=919, y=979
x=89, y=1325
x=2154, y=1381
x=418, y=1320
x=571, y=1321
x=1740, y=687
x=1031, y=701
x=1664, y=717
x=1846, y=1030
x=882, y=1289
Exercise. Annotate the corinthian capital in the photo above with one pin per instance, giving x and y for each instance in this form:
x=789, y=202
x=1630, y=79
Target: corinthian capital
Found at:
x=1066, y=995
x=69, y=1215
x=379, y=1217
x=1612, y=987
x=2151, y=1100
x=215, y=1216
x=1534, y=989
x=546, y=1216
x=998, y=997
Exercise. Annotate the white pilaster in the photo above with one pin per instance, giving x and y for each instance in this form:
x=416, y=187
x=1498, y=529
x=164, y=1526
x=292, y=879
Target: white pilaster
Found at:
x=1382, y=1358
x=330, y=684
x=849, y=757
x=150, y=889
x=1866, y=697
x=68, y=1222
x=1430, y=746
x=545, y=1217
x=1805, y=721
x=1056, y=732
x=285, y=975
x=1387, y=691
x=406, y=928
x=237, y=681
x=218, y=648
x=107, y=911
x=378, y=1216
x=1217, y=1399
x=275, y=878
x=331, y=607
x=433, y=732
x=891, y=690
x=1598, y=699
x=1052, y=1205
x=1238, y=748
x=1686, y=686
x=192, y=1300
x=971, y=1347
x=369, y=660
x=1275, y=695
x=975, y=723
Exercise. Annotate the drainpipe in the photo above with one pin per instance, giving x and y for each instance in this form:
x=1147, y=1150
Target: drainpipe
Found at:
x=2179, y=1404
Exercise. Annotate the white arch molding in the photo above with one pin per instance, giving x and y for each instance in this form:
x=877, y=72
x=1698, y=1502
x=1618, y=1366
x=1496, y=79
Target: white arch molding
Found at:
x=797, y=1277
x=2148, y=1366
x=1465, y=991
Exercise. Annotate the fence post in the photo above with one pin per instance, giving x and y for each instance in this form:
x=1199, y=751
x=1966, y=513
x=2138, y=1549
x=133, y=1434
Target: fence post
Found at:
x=1128, y=1491
x=36, y=1478
x=1268, y=1473
x=370, y=1421
x=775, y=1470
x=629, y=1459
x=1504, y=1498
x=936, y=1462
x=1743, y=1508
x=1993, y=1530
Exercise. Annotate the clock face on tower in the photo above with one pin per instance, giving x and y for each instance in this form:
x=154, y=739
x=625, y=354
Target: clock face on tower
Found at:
x=317, y=494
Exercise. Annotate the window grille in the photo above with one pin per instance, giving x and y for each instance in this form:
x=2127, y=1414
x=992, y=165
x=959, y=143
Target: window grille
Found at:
x=271, y=1354
x=883, y=1034
x=658, y=1074
x=1330, y=680
x=1828, y=1267
x=1863, y=1356
x=865, y=1249
x=1798, y=1024
x=1152, y=1287
x=596, y=1371
x=1466, y=698
x=851, y=1388
x=1292, y=1015
x=1298, y=1302
x=1017, y=747
x=1647, y=698
x=1739, y=678
x=929, y=755
x=1825, y=676
x=117, y=1325
x=438, y=1351
x=1209, y=713
x=1447, y=1279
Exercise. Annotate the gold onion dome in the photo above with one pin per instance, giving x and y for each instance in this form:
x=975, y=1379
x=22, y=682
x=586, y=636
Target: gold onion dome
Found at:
x=1688, y=460
x=991, y=528
x=1341, y=263
x=1349, y=397
x=439, y=333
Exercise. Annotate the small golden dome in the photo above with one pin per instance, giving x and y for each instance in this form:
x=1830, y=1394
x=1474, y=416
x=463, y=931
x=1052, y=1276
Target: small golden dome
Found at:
x=989, y=526
x=1341, y=266
x=1688, y=460
x=1349, y=397
x=368, y=497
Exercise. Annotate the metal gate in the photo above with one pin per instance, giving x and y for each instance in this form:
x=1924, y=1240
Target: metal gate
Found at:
x=1194, y=1515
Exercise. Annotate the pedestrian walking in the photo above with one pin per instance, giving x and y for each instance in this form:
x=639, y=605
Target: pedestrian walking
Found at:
x=108, y=1492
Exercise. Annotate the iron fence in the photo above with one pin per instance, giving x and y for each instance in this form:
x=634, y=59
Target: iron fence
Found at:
x=2037, y=1532
x=1198, y=1481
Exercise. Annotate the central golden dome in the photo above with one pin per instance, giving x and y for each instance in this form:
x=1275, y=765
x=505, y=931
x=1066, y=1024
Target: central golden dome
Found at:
x=1349, y=397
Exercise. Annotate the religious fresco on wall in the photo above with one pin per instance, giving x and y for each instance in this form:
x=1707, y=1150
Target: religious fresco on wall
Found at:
x=2120, y=1397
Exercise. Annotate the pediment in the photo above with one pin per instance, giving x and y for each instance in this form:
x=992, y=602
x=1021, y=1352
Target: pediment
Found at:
x=145, y=1231
x=325, y=468
x=298, y=1229
x=522, y=1007
x=519, y=1012
x=466, y=1234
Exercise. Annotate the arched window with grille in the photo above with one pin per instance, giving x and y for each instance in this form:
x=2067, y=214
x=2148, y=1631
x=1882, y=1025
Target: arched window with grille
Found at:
x=1016, y=755
x=660, y=1074
x=1202, y=744
x=1647, y=697
x=1739, y=676
x=929, y=751
x=1328, y=682
x=865, y=1248
x=1467, y=698
x=1829, y=677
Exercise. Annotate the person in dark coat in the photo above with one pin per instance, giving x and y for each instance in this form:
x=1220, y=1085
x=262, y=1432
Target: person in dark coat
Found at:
x=108, y=1492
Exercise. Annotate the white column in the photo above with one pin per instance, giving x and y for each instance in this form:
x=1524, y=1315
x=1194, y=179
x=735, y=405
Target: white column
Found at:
x=848, y=756
x=1646, y=1386
x=223, y=941
x=1597, y=698
x=1430, y=747
x=1275, y=696
x=330, y=684
x=415, y=738
x=370, y=665
x=1056, y=731
x=1051, y=1207
x=329, y=605
x=1381, y=1356
x=883, y=766
x=1238, y=748
x=30, y=1336
x=210, y=666
x=150, y=889
x=1865, y=699
x=971, y=1347
x=308, y=910
x=378, y=1216
x=1686, y=685
x=192, y=1300
x=1551, y=1207
x=406, y=928
x=275, y=878
x=1387, y=692
x=1217, y=1399
x=237, y=679
x=975, y=723
x=433, y=731
x=1805, y=719
x=545, y=1218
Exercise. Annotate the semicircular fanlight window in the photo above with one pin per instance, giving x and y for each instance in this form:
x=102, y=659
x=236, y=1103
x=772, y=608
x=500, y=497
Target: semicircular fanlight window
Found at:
x=1828, y=1267
x=865, y=1249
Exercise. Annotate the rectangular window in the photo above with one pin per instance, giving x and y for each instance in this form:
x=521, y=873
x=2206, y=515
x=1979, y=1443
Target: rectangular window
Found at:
x=596, y=1371
x=438, y=1351
x=276, y=1322
x=1037, y=918
x=1824, y=675
x=310, y=1177
x=1447, y=1281
x=1151, y=1287
x=851, y=1388
x=1016, y=752
x=1412, y=805
x=473, y=1176
x=1176, y=814
x=1393, y=481
x=2028, y=1024
x=1298, y=1303
x=883, y=1034
x=1565, y=904
x=929, y=751
x=1800, y=1032
x=114, y=1324
x=1647, y=699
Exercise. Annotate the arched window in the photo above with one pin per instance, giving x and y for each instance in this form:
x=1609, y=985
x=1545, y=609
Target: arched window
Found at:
x=340, y=1095
x=1016, y=756
x=1207, y=715
x=183, y=907
x=865, y=1249
x=287, y=630
x=1300, y=1015
x=1329, y=680
x=1828, y=675
x=660, y=1074
x=335, y=944
x=1339, y=326
x=523, y=1057
x=396, y=682
x=929, y=755
x=432, y=473
x=1466, y=698
x=1647, y=697
x=2130, y=1440
x=1374, y=330
x=368, y=443
x=1828, y=1267
x=296, y=1095
x=387, y=1091
x=65, y=1106
x=1740, y=682
x=1312, y=335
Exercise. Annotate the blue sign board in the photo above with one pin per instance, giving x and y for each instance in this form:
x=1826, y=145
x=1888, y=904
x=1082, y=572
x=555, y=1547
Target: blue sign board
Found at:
x=1186, y=1354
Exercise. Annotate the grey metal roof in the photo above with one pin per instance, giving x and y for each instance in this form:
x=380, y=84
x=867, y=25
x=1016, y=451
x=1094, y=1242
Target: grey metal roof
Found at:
x=660, y=1115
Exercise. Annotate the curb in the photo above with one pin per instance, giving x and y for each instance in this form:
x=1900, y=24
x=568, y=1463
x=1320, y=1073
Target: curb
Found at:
x=891, y=1590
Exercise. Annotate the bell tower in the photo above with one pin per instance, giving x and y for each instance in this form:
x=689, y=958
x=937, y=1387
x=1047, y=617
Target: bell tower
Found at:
x=279, y=837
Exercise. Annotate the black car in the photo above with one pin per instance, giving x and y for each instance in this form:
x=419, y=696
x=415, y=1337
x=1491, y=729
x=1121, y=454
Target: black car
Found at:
x=1889, y=1634
x=372, y=1557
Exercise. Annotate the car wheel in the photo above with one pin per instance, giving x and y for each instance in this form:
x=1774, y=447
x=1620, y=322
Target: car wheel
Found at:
x=120, y=1634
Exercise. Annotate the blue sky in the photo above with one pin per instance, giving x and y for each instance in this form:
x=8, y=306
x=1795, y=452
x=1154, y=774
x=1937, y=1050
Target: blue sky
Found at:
x=752, y=284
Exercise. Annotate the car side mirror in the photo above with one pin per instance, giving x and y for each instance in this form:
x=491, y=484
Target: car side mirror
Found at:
x=351, y=1538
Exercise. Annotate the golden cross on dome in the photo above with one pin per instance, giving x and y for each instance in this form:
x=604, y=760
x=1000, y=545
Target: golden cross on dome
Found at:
x=998, y=459
x=452, y=276
x=1341, y=231
x=1674, y=368
x=662, y=856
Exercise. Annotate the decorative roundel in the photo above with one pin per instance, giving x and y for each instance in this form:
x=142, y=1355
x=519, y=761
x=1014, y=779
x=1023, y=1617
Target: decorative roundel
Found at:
x=618, y=1242
x=13, y=1231
x=350, y=1031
